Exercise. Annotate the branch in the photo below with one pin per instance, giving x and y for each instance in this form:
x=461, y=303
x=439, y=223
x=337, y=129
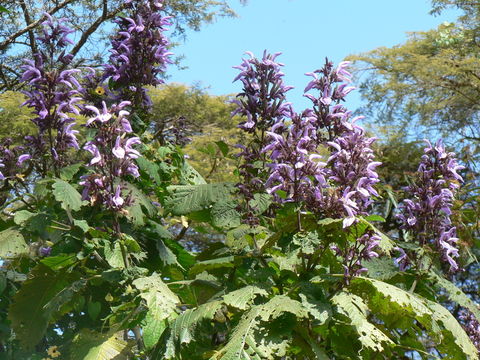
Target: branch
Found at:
x=4, y=44
x=28, y=21
x=86, y=34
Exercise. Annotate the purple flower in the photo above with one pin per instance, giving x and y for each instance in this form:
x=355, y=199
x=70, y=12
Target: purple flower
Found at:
x=139, y=53
x=45, y=251
x=427, y=214
x=52, y=94
x=110, y=146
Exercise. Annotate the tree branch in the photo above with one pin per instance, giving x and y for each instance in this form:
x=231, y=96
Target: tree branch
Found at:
x=86, y=34
x=4, y=44
x=28, y=21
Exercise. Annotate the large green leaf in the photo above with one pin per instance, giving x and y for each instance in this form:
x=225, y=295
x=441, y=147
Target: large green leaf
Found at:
x=185, y=199
x=67, y=195
x=250, y=340
x=182, y=330
x=38, y=302
x=399, y=307
x=225, y=215
x=162, y=304
x=12, y=243
x=455, y=294
x=355, y=309
x=150, y=168
x=242, y=298
x=140, y=202
x=90, y=345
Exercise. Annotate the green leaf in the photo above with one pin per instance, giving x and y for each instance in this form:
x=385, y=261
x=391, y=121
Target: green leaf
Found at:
x=150, y=168
x=4, y=9
x=190, y=176
x=225, y=215
x=90, y=345
x=182, y=330
x=59, y=262
x=22, y=216
x=201, y=266
x=355, y=309
x=185, y=199
x=396, y=306
x=242, y=298
x=161, y=303
x=260, y=203
x=455, y=294
x=140, y=200
x=381, y=268
x=93, y=309
x=223, y=147
x=244, y=344
x=114, y=255
x=27, y=313
x=12, y=243
x=67, y=173
x=64, y=296
x=67, y=195
x=82, y=224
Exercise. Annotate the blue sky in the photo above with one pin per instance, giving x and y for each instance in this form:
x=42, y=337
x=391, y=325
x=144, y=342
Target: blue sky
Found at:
x=305, y=31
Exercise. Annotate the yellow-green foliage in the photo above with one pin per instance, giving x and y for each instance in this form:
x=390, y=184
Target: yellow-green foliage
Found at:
x=14, y=119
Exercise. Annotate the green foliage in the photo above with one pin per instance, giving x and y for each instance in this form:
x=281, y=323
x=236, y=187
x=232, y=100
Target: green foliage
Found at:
x=40, y=300
x=12, y=243
x=67, y=195
x=90, y=345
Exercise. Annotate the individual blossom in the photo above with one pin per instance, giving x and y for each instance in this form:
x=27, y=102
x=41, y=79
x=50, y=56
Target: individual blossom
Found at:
x=426, y=214
x=112, y=156
x=139, y=53
x=52, y=94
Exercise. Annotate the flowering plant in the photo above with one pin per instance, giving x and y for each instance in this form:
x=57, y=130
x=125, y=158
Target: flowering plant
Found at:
x=98, y=260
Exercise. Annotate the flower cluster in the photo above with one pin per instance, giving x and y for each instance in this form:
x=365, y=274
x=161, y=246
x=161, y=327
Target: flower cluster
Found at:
x=113, y=155
x=53, y=94
x=342, y=186
x=427, y=214
x=262, y=100
x=139, y=52
x=295, y=168
x=471, y=327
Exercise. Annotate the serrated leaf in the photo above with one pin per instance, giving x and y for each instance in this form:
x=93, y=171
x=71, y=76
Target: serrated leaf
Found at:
x=161, y=303
x=260, y=203
x=398, y=305
x=82, y=224
x=225, y=215
x=182, y=329
x=140, y=201
x=67, y=173
x=12, y=243
x=242, y=298
x=381, y=268
x=27, y=314
x=64, y=296
x=190, y=176
x=455, y=294
x=150, y=168
x=90, y=345
x=67, y=195
x=185, y=199
x=354, y=308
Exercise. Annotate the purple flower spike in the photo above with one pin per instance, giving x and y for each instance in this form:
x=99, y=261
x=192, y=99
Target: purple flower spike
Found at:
x=139, y=54
x=111, y=146
x=427, y=214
